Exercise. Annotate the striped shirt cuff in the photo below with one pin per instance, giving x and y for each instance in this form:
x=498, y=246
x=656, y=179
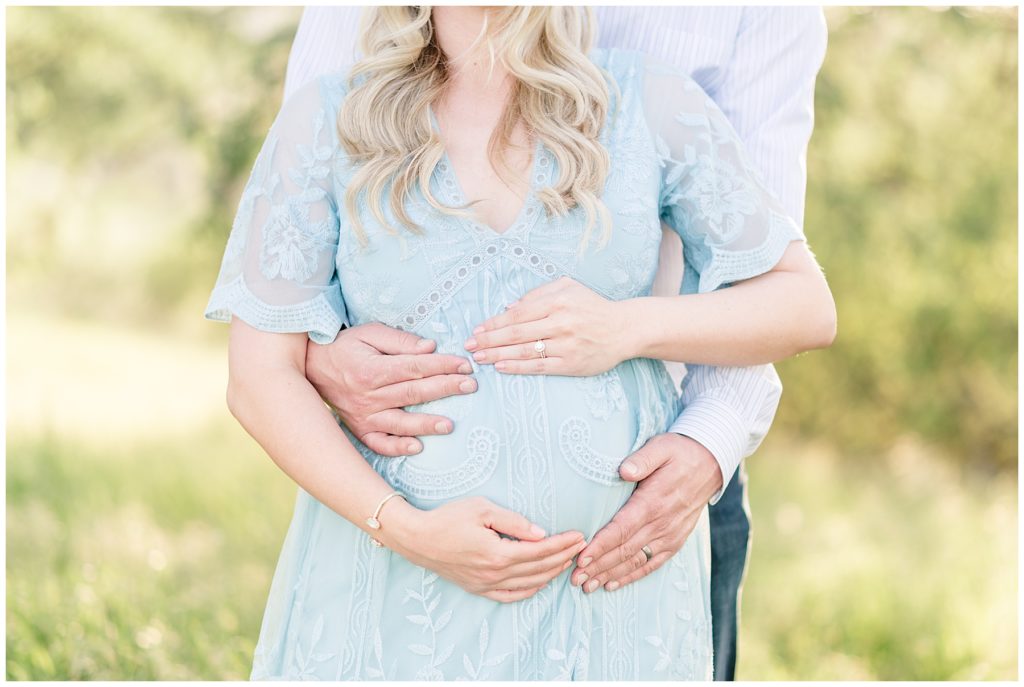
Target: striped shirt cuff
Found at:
x=717, y=427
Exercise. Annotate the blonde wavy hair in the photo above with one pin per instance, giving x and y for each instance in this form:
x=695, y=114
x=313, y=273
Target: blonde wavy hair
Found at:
x=558, y=93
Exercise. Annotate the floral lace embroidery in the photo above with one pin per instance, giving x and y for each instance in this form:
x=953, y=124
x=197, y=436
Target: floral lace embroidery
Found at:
x=604, y=394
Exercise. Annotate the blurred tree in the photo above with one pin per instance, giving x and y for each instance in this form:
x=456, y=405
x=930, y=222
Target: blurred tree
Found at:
x=912, y=211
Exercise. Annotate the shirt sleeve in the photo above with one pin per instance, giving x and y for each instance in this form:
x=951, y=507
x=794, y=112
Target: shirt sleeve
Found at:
x=767, y=93
x=278, y=272
x=732, y=227
x=325, y=41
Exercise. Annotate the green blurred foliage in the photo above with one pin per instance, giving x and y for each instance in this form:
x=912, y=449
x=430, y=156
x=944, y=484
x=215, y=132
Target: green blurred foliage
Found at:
x=881, y=550
x=912, y=212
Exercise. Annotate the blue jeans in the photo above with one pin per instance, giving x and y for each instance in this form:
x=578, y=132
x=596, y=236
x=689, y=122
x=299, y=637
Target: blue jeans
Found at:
x=730, y=546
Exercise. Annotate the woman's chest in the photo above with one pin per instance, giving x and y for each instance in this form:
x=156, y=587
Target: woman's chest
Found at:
x=403, y=278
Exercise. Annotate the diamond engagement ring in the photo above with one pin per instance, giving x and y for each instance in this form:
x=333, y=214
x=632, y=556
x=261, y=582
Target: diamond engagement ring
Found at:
x=647, y=552
x=541, y=348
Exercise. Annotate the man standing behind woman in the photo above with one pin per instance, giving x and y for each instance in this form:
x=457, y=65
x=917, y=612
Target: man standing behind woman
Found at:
x=759, y=64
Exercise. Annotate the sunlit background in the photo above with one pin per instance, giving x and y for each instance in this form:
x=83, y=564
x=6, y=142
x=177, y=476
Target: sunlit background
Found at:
x=143, y=524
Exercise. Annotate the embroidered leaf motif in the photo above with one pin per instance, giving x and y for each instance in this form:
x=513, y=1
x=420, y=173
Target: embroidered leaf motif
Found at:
x=418, y=619
x=421, y=649
x=555, y=655
x=483, y=637
x=444, y=655
x=467, y=665
x=443, y=620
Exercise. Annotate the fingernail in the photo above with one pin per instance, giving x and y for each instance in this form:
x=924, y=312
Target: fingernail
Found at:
x=591, y=586
x=500, y=365
x=583, y=578
x=467, y=386
x=567, y=564
x=478, y=329
x=470, y=344
x=412, y=447
x=585, y=562
x=537, y=531
x=612, y=586
x=441, y=427
x=628, y=469
x=465, y=369
x=425, y=344
x=480, y=356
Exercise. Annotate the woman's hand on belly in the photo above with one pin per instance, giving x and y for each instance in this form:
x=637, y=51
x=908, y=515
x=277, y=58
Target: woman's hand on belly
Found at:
x=460, y=541
x=581, y=330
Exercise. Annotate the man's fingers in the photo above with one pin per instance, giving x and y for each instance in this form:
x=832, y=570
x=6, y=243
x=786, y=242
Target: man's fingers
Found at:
x=419, y=391
x=405, y=424
x=394, y=341
x=627, y=553
x=390, y=445
x=623, y=574
x=402, y=368
x=617, y=532
x=641, y=464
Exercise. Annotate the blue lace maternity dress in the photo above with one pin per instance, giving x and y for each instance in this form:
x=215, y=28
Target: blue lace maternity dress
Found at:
x=548, y=447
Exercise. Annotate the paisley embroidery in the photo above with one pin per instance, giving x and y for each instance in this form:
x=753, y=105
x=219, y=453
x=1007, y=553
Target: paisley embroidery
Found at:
x=482, y=446
x=574, y=440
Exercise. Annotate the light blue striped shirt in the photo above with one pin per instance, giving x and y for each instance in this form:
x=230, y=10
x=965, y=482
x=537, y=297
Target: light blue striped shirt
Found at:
x=759, y=64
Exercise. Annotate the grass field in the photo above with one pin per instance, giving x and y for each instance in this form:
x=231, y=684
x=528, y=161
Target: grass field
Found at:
x=143, y=526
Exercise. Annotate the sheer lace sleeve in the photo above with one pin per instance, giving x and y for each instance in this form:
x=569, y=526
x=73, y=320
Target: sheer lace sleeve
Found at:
x=278, y=272
x=731, y=225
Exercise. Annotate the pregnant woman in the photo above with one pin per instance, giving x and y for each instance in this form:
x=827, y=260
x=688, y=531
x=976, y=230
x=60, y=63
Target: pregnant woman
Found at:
x=451, y=564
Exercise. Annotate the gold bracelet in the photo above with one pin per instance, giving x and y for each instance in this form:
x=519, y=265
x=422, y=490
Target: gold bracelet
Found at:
x=372, y=522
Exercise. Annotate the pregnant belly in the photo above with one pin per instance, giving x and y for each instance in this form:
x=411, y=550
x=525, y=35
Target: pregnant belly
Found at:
x=546, y=447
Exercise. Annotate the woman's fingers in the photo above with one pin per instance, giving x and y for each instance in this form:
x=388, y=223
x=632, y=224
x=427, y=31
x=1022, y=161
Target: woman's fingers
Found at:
x=509, y=522
x=537, y=366
x=521, y=351
x=509, y=595
x=540, y=328
x=515, y=552
x=553, y=561
x=521, y=312
x=539, y=579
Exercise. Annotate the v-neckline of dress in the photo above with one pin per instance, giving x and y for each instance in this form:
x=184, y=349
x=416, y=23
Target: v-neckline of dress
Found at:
x=540, y=167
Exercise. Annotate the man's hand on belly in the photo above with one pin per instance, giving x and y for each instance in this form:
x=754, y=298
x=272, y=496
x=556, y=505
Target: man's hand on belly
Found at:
x=677, y=477
x=371, y=371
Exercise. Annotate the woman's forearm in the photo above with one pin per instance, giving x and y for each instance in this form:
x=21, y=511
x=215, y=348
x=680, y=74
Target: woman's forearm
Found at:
x=275, y=403
x=761, y=320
